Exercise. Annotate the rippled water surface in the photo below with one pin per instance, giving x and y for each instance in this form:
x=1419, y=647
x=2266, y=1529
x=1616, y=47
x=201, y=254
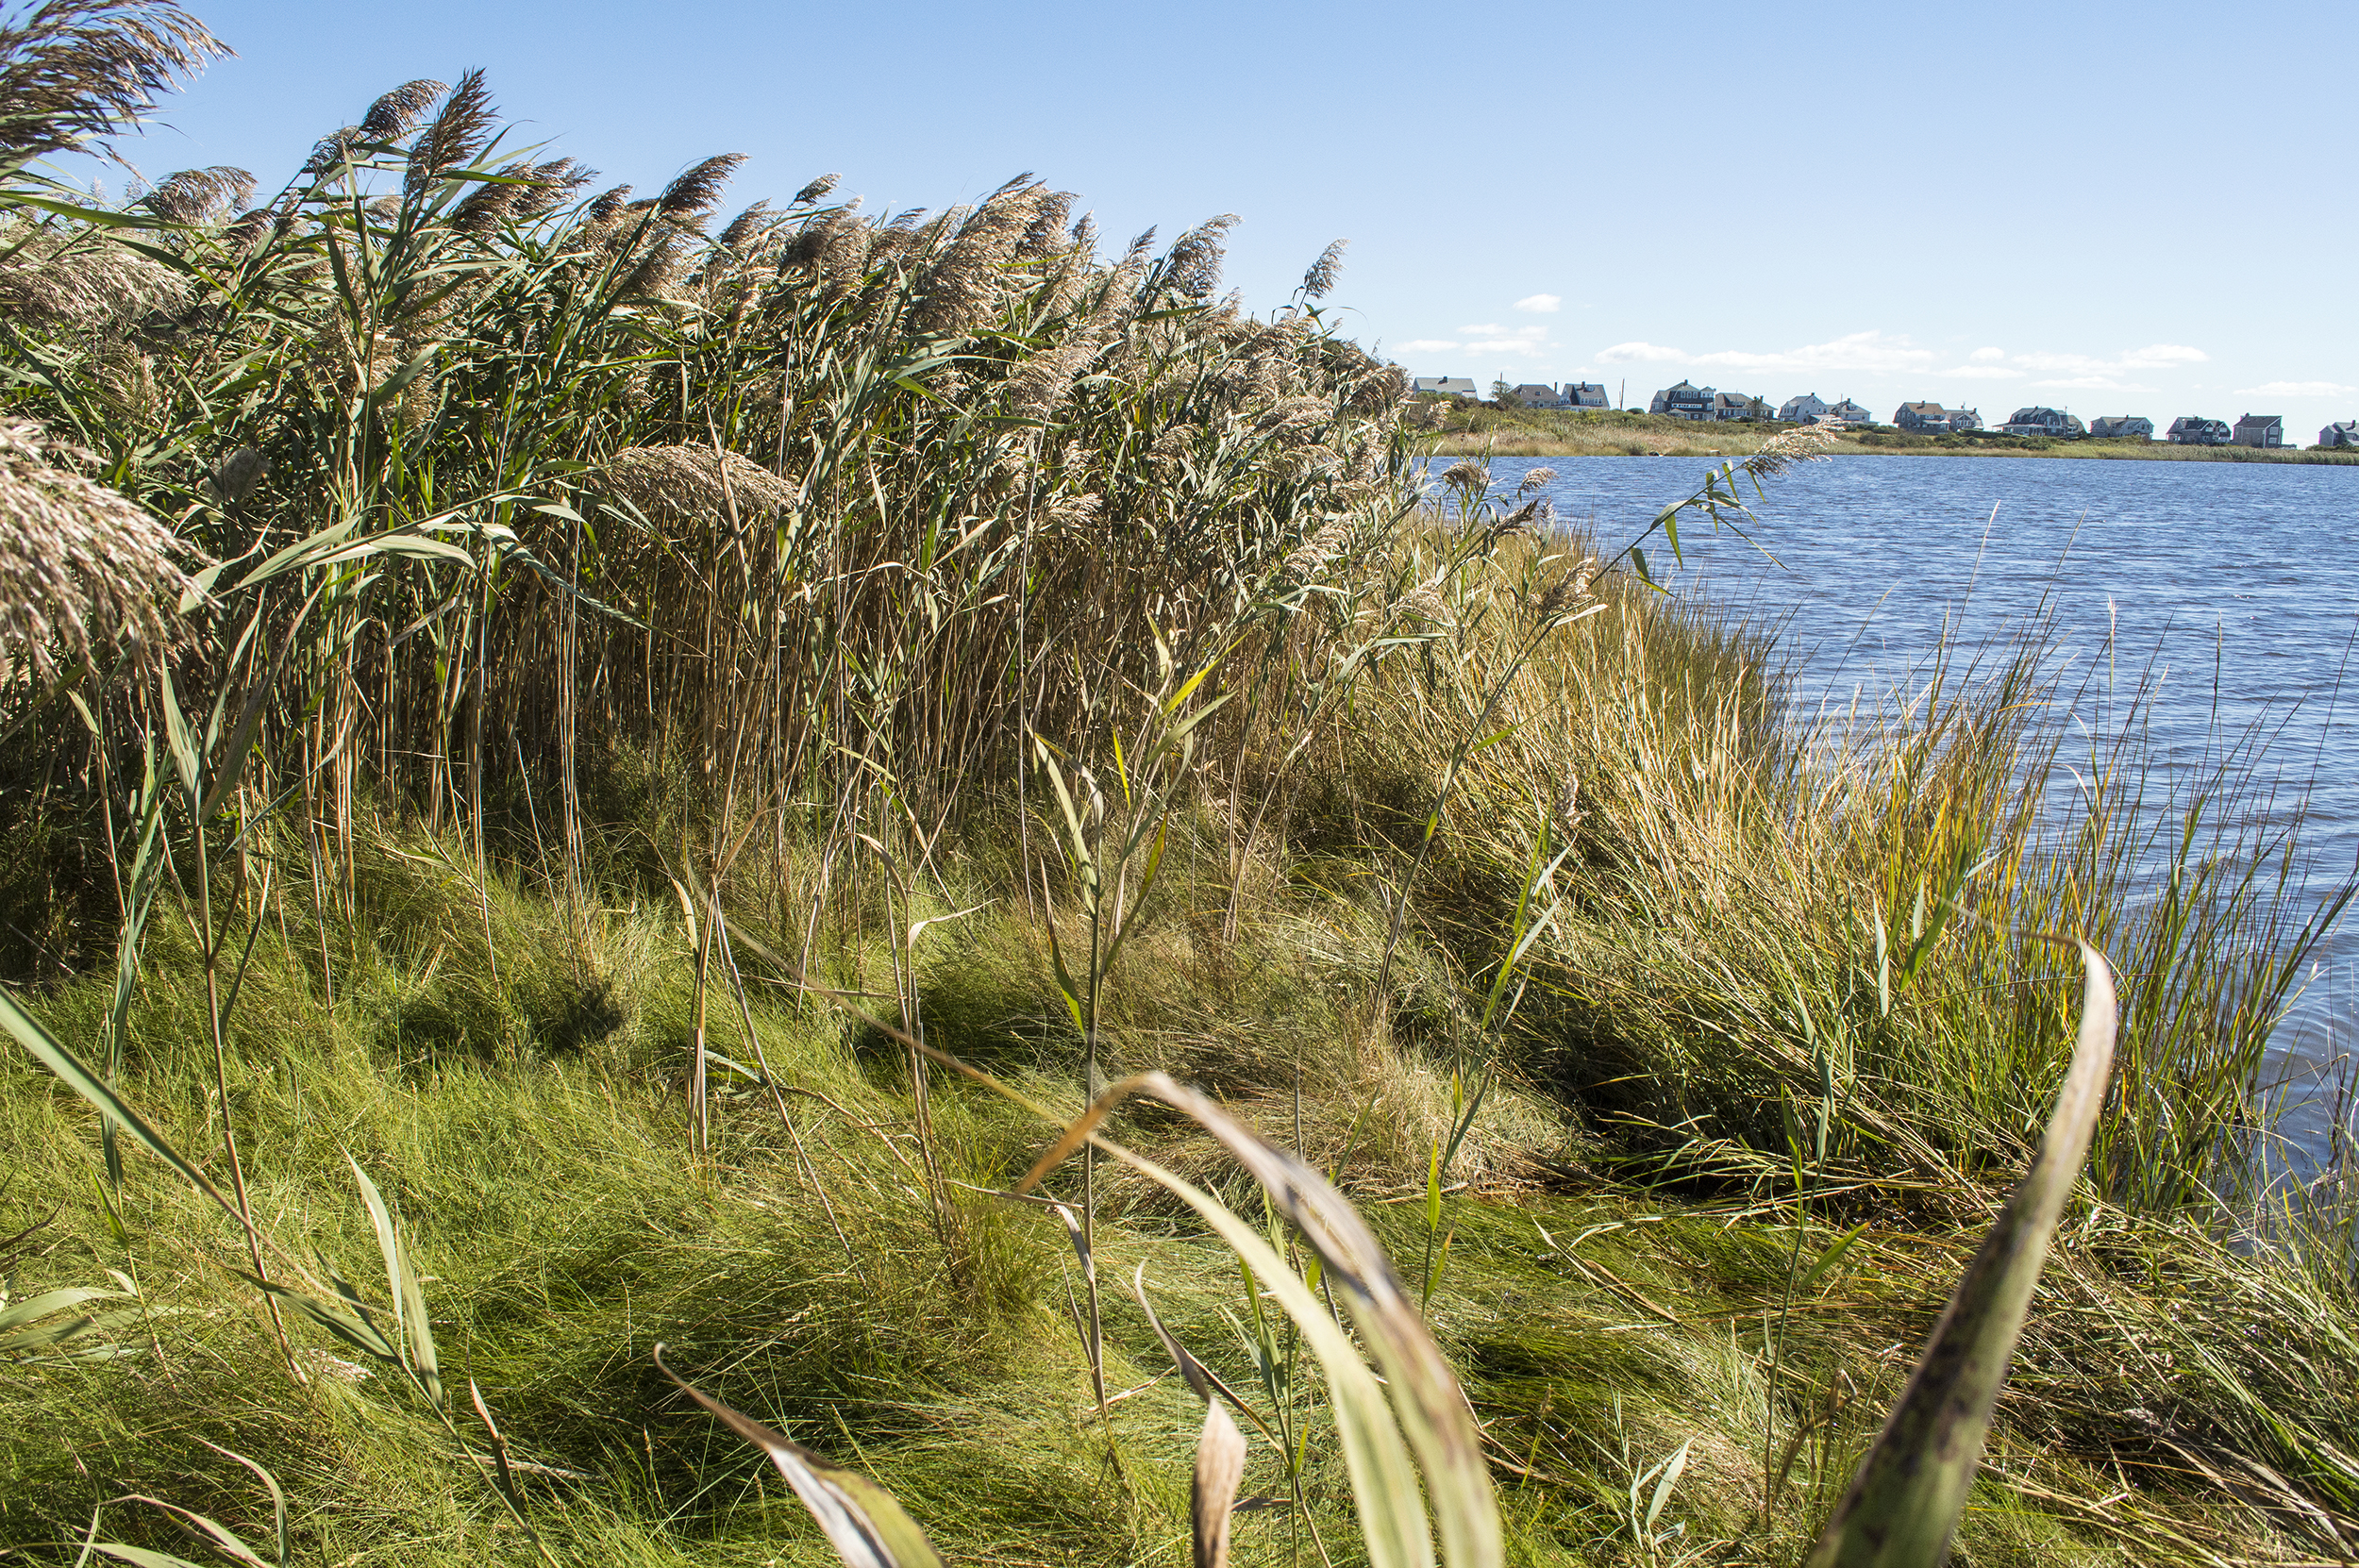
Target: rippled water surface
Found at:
x=2243, y=570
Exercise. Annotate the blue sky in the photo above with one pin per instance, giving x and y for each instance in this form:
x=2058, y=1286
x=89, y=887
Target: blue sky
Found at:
x=2114, y=209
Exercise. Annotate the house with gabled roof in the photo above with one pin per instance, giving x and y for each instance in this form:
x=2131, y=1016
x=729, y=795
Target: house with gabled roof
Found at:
x=2044, y=422
x=2194, y=430
x=1931, y=419
x=2343, y=432
x=1448, y=386
x=1849, y=412
x=1684, y=401
x=1731, y=405
x=2122, y=427
x=1537, y=395
x=2260, y=430
x=1586, y=395
x=1809, y=408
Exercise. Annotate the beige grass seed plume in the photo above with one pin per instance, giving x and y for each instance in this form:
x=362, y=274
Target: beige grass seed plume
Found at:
x=677, y=483
x=1805, y=443
x=79, y=564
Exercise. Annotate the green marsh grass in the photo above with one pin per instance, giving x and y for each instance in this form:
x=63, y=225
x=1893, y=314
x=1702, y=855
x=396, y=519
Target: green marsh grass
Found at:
x=659, y=682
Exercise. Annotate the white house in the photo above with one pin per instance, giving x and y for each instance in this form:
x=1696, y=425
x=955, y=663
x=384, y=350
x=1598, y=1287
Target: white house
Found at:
x=1448, y=386
x=1809, y=408
x=1849, y=412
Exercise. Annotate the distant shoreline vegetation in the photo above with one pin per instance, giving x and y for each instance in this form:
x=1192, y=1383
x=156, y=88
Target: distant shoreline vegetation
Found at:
x=1458, y=428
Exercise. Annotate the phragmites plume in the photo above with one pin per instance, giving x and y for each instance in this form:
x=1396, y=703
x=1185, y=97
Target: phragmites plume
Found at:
x=969, y=275
x=1532, y=515
x=1803, y=444
x=391, y=117
x=79, y=564
x=1304, y=561
x=815, y=190
x=688, y=200
x=76, y=69
x=1539, y=478
x=1192, y=268
x=677, y=484
x=199, y=195
x=82, y=279
x=1381, y=390
x=234, y=478
x=523, y=189
x=456, y=134
x=1322, y=272
x=747, y=227
x=1467, y=475
x=606, y=205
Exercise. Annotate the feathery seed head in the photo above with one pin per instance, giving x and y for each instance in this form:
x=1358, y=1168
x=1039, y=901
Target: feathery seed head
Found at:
x=747, y=227
x=815, y=190
x=78, y=562
x=1193, y=267
x=76, y=69
x=1322, y=273
x=1539, y=478
x=456, y=134
x=234, y=478
x=1469, y=476
x=391, y=117
x=1803, y=444
x=604, y=206
x=198, y=195
x=84, y=280
x=688, y=199
x=679, y=484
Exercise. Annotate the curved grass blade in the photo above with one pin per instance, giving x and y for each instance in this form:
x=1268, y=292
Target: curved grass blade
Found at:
x=1425, y=1399
x=861, y=1520
x=1902, y=1505
x=54, y=1056
x=401, y=1282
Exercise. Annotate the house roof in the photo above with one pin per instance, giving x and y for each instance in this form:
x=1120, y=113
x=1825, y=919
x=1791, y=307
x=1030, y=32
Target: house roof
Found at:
x=1924, y=407
x=2261, y=420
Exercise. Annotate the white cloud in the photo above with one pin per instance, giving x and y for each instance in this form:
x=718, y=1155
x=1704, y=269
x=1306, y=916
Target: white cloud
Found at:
x=1987, y=355
x=1428, y=345
x=1545, y=304
x=1980, y=372
x=1859, y=351
x=2298, y=389
x=1630, y=354
x=1522, y=348
x=2092, y=383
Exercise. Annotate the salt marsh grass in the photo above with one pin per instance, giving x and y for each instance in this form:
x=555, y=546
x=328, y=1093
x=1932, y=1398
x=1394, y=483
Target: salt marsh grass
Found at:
x=664, y=762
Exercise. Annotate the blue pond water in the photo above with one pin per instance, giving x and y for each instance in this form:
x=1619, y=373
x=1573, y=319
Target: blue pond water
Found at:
x=2235, y=586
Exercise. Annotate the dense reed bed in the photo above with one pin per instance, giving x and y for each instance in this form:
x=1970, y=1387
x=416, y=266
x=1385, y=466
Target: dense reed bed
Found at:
x=629, y=772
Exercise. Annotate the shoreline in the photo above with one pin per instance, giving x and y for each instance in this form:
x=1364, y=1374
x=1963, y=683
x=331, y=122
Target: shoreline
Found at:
x=1478, y=446
x=1479, y=431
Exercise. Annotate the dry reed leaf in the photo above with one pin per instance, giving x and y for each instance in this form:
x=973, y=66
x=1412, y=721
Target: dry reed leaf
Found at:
x=1212, y=1492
